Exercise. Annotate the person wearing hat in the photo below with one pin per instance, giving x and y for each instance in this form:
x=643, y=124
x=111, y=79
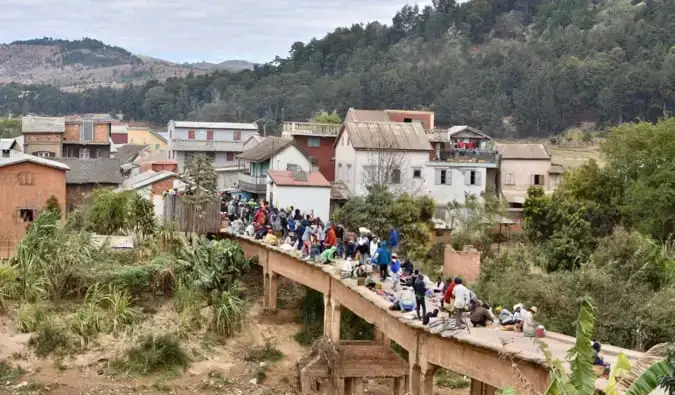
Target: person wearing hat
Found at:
x=529, y=325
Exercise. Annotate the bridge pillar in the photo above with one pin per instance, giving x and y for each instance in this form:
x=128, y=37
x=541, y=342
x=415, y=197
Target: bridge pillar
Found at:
x=480, y=388
x=422, y=379
x=382, y=338
x=331, y=319
x=353, y=386
x=271, y=283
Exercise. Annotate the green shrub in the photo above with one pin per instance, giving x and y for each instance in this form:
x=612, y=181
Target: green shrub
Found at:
x=48, y=339
x=187, y=301
x=449, y=379
x=9, y=286
x=8, y=373
x=153, y=354
x=268, y=353
x=228, y=314
x=31, y=315
x=311, y=317
x=121, y=312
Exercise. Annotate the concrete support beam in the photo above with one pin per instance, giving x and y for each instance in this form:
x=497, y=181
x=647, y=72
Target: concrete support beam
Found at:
x=422, y=381
x=349, y=386
x=358, y=386
x=399, y=386
x=480, y=388
x=381, y=338
x=270, y=285
x=331, y=319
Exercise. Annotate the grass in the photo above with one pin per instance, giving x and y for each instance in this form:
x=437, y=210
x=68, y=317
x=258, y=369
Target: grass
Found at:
x=120, y=308
x=228, y=314
x=48, y=339
x=261, y=373
x=9, y=373
x=31, y=315
x=153, y=354
x=449, y=379
x=268, y=353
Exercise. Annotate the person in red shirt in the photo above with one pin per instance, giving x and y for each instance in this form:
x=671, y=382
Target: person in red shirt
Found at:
x=331, y=240
x=448, y=293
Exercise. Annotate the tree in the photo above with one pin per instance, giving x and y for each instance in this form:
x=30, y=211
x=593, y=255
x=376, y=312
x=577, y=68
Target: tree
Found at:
x=108, y=211
x=142, y=215
x=474, y=221
x=201, y=178
x=325, y=117
x=53, y=206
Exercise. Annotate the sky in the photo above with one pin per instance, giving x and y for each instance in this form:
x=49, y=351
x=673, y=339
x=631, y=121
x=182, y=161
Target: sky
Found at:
x=191, y=30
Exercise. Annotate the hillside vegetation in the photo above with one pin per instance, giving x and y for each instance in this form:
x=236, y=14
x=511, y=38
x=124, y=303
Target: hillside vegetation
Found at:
x=515, y=68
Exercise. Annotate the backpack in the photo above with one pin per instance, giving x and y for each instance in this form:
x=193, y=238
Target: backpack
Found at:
x=419, y=286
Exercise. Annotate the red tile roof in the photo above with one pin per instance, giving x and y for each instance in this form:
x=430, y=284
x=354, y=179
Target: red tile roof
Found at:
x=119, y=138
x=285, y=178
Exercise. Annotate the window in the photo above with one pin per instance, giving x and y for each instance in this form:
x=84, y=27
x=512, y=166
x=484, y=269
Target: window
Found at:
x=395, y=176
x=27, y=214
x=237, y=135
x=292, y=167
x=229, y=156
x=84, y=153
x=26, y=178
x=191, y=134
x=313, y=142
x=443, y=177
x=538, y=179
x=417, y=173
x=472, y=177
x=368, y=174
x=509, y=179
x=407, y=120
x=5, y=153
x=209, y=135
x=87, y=131
x=45, y=154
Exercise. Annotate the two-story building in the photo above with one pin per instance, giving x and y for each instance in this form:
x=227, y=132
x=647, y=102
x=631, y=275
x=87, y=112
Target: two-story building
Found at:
x=318, y=141
x=272, y=153
x=523, y=166
x=143, y=135
x=42, y=136
x=220, y=141
x=86, y=138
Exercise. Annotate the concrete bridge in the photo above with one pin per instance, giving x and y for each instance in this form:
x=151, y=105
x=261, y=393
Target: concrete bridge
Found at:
x=493, y=359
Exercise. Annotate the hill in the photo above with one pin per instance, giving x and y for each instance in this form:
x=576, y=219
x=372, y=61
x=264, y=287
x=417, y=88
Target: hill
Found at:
x=514, y=68
x=87, y=63
x=231, y=65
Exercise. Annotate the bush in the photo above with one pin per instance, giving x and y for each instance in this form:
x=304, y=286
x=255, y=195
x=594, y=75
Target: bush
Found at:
x=8, y=373
x=311, y=316
x=9, y=287
x=48, y=339
x=153, y=354
x=187, y=302
x=121, y=312
x=228, y=314
x=31, y=315
x=449, y=379
x=268, y=353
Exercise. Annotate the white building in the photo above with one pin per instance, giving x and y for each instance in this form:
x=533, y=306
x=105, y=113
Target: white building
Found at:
x=304, y=190
x=220, y=141
x=391, y=153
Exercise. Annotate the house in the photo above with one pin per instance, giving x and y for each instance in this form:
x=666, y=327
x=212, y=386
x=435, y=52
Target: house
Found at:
x=220, y=141
x=523, y=166
x=273, y=153
x=119, y=133
x=27, y=183
x=152, y=185
x=85, y=175
x=300, y=189
x=380, y=152
x=141, y=135
x=86, y=138
x=43, y=136
x=463, y=162
x=10, y=144
x=318, y=141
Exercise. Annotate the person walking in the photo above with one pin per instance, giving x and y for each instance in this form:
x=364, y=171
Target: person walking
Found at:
x=383, y=259
x=420, y=294
x=460, y=295
x=393, y=239
x=395, y=271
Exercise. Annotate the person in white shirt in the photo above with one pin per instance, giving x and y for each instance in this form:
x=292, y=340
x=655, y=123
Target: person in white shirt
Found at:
x=529, y=325
x=460, y=295
x=373, y=246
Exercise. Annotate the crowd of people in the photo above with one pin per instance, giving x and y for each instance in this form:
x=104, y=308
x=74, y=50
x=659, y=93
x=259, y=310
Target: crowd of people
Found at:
x=368, y=258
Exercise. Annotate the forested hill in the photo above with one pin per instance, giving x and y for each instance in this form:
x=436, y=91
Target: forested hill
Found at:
x=511, y=67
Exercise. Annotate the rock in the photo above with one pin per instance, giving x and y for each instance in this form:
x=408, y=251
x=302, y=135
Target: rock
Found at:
x=254, y=381
x=262, y=364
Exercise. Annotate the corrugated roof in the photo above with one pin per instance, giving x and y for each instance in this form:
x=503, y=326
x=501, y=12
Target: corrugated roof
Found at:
x=43, y=124
x=354, y=115
x=128, y=152
x=266, y=149
x=215, y=125
x=146, y=178
x=523, y=151
x=397, y=136
x=92, y=171
x=286, y=178
x=16, y=157
x=452, y=131
x=6, y=144
x=339, y=191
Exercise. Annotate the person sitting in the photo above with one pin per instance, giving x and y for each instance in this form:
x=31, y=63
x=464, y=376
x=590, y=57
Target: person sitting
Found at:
x=529, y=325
x=328, y=256
x=270, y=238
x=505, y=316
x=480, y=315
x=598, y=360
x=407, y=267
x=407, y=300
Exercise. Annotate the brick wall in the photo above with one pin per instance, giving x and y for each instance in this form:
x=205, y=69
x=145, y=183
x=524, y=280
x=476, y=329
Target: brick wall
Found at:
x=46, y=181
x=464, y=264
x=427, y=118
x=171, y=166
x=72, y=132
x=323, y=154
x=101, y=132
x=160, y=187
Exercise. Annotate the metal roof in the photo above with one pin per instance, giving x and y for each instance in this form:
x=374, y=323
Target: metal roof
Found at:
x=92, y=171
x=146, y=178
x=398, y=136
x=265, y=149
x=215, y=125
x=454, y=130
x=523, y=151
x=354, y=115
x=6, y=144
x=43, y=125
x=299, y=179
x=17, y=157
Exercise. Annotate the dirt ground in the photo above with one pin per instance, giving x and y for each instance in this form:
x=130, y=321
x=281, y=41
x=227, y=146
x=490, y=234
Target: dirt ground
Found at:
x=215, y=367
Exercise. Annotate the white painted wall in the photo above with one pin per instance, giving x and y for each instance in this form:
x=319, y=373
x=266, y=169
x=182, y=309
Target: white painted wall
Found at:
x=457, y=183
x=290, y=155
x=227, y=179
x=345, y=162
x=522, y=172
x=218, y=134
x=304, y=198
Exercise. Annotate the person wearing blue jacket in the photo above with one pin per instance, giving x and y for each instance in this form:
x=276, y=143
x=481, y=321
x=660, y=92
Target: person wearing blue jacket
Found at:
x=383, y=259
x=393, y=239
x=395, y=270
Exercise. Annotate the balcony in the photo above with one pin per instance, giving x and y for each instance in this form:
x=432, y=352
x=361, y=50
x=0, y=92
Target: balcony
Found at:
x=249, y=183
x=207, y=145
x=310, y=129
x=464, y=156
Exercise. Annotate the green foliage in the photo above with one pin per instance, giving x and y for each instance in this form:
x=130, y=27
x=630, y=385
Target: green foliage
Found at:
x=229, y=313
x=8, y=373
x=142, y=215
x=153, y=354
x=10, y=128
x=215, y=264
x=120, y=310
x=9, y=287
x=474, y=221
x=268, y=353
x=187, y=300
x=49, y=338
x=311, y=316
x=53, y=205
x=449, y=379
x=108, y=211
x=31, y=316
x=326, y=117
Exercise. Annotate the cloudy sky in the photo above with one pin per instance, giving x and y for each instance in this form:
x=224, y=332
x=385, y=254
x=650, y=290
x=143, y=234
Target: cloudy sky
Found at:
x=191, y=30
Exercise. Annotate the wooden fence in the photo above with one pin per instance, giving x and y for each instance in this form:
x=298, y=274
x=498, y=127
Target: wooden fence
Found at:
x=187, y=219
